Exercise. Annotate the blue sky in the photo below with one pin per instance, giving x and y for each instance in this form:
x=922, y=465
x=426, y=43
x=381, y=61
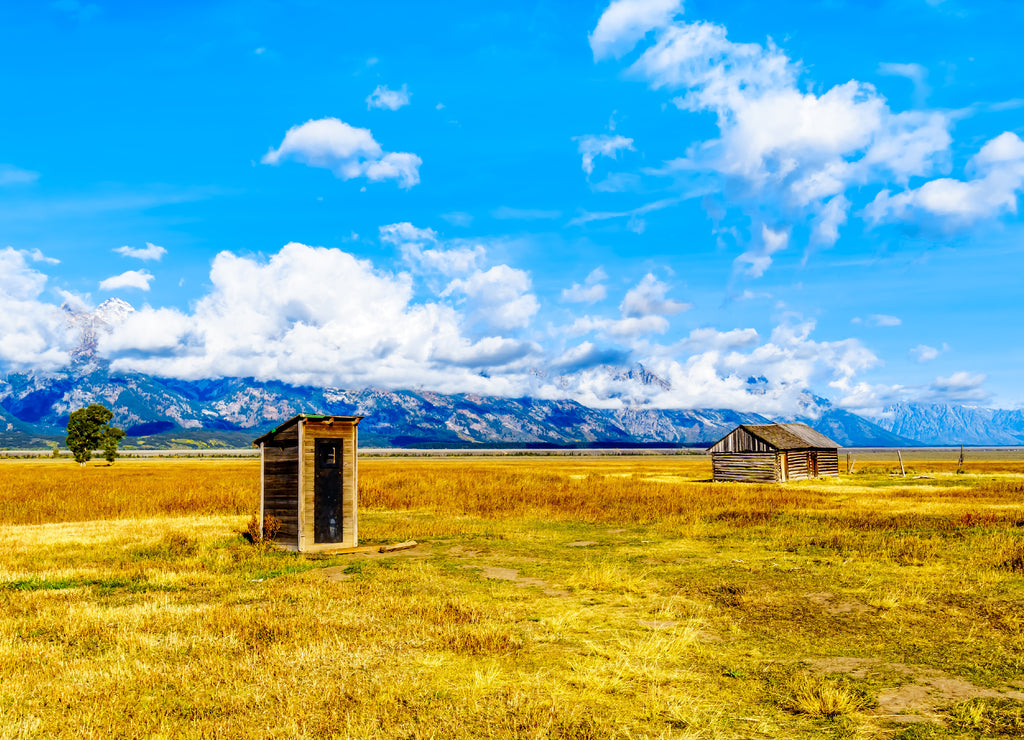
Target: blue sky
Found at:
x=518, y=198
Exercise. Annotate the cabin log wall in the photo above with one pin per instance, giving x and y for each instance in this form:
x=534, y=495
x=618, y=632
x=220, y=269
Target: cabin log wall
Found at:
x=750, y=467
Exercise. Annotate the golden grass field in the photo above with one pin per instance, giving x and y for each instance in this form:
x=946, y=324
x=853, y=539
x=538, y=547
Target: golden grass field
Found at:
x=619, y=597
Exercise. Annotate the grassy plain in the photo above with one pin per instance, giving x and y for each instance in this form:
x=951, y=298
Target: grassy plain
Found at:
x=550, y=598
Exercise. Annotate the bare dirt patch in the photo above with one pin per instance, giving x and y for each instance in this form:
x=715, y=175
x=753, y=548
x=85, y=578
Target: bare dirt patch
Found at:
x=336, y=574
x=463, y=552
x=499, y=573
x=582, y=543
x=830, y=605
x=925, y=691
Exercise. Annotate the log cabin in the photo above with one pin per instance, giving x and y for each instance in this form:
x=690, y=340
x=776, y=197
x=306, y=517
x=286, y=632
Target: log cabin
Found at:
x=774, y=453
x=309, y=480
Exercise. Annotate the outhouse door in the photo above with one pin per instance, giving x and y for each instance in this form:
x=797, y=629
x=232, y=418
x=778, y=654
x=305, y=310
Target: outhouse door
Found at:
x=327, y=491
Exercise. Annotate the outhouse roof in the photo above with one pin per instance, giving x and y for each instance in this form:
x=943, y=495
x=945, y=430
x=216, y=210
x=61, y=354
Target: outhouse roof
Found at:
x=300, y=417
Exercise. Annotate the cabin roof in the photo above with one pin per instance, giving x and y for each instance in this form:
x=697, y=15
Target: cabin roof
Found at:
x=307, y=417
x=792, y=436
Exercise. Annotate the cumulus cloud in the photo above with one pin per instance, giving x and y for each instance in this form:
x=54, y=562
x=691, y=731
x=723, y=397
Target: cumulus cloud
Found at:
x=588, y=355
x=601, y=145
x=758, y=258
x=137, y=279
x=34, y=334
x=647, y=298
x=625, y=22
x=382, y=97
x=998, y=170
x=785, y=155
x=149, y=252
x=708, y=338
x=348, y=151
x=960, y=387
x=643, y=312
x=591, y=291
x=36, y=255
x=421, y=248
x=871, y=400
x=724, y=376
x=499, y=297
x=282, y=319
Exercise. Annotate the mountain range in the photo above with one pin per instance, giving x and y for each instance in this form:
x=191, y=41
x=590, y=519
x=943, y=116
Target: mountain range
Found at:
x=163, y=412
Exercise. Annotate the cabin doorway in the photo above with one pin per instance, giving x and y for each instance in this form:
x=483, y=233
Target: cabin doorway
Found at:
x=327, y=491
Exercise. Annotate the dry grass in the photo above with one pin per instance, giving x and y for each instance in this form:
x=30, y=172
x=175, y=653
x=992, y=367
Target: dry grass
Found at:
x=40, y=491
x=131, y=604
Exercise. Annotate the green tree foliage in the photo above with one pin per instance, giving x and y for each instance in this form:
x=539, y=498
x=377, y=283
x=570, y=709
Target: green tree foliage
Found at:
x=110, y=442
x=89, y=429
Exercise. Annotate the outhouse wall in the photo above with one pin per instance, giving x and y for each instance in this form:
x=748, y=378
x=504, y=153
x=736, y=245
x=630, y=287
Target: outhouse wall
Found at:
x=280, y=484
x=310, y=431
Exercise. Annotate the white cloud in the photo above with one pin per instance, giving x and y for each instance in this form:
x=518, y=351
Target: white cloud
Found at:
x=587, y=355
x=913, y=72
x=624, y=328
x=826, y=224
x=625, y=22
x=999, y=175
x=960, y=387
x=33, y=334
x=413, y=244
x=382, y=97
x=708, y=338
x=138, y=279
x=348, y=151
x=489, y=352
x=881, y=319
x=149, y=252
x=784, y=155
x=758, y=258
x=643, y=311
x=738, y=373
x=592, y=290
x=647, y=298
x=598, y=145
x=11, y=175
x=36, y=255
x=284, y=319
x=924, y=353
x=498, y=297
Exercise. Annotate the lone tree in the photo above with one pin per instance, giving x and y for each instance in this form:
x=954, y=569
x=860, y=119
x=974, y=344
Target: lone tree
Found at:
x=89, y=429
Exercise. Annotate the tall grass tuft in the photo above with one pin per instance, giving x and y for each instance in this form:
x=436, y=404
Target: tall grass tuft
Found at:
x=817, y=696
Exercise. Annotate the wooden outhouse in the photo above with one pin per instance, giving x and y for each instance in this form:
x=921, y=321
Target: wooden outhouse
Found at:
x=309, y=480
x=774, y=452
